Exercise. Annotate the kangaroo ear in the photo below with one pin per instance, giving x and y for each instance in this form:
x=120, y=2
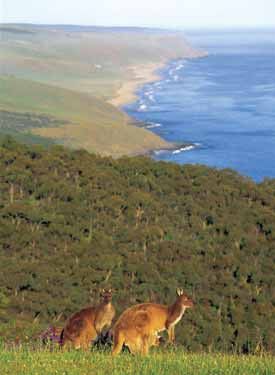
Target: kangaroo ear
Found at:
x=102, y=291
x=110, y=291
x=179, y=292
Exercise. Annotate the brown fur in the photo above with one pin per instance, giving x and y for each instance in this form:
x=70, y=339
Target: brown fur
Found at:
x=139, y=325
x=135, y=333
x=85, y=325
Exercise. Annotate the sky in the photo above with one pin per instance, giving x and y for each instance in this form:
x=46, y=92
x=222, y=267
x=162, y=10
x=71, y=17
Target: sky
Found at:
x=151, y=13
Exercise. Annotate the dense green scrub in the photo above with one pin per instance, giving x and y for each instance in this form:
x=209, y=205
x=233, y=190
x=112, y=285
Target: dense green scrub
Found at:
x=169, y=363
x=72, y=222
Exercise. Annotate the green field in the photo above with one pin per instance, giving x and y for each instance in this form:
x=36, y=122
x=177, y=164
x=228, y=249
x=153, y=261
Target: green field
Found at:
x=36, y=362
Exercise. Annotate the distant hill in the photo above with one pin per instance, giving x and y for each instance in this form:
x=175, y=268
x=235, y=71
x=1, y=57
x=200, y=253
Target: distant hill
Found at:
x=72, y=73
x=72, y=222
x=59, y=55
x=79, y=28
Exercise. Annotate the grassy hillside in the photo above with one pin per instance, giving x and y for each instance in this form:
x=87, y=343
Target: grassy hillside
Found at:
x=72, y=222
x=72, y=74
x=91, y=60
x=161, y=363
x=70, y=118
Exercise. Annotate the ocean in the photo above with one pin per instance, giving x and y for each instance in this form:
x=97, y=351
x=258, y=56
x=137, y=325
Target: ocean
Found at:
x=222, y=105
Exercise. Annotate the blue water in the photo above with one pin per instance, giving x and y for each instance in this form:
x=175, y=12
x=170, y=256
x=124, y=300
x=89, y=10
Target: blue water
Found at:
x=224, y=104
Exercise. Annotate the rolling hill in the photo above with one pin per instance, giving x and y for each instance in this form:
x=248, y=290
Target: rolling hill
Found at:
x=91, y=60
x=73, y=74
x=71, y=118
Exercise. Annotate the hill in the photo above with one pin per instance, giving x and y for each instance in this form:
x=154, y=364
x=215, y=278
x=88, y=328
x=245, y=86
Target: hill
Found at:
x=87, y=59
x=68, y=117
x=72, y=222
x=76, y=75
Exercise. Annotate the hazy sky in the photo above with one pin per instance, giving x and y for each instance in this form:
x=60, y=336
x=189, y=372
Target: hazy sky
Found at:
x=163, y=13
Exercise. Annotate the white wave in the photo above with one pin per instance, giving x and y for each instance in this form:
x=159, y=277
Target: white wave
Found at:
x=142, y=107
x=179, y=67
x=148, y=93
x=172, y=71
x=176, y=78
x=151, y=126
x=151, y=97
x=182, y=149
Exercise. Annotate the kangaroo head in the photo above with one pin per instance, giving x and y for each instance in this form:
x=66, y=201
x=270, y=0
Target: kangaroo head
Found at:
x=184, y=300
x=106, y=295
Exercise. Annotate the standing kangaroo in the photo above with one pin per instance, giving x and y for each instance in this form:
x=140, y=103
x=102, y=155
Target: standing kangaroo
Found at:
x=139, y=325
x=85, y=325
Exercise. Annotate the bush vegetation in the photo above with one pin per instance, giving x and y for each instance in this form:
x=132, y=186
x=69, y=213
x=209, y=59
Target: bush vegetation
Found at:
x=72, y=222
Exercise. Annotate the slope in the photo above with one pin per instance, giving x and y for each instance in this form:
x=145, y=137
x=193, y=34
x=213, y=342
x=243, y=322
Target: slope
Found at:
x=71, y=118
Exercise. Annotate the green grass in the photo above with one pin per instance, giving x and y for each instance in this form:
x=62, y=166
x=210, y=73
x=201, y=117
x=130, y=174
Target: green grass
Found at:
x=70, y=76
x=46, y=362
x=75, y=119
x=70, y=59
x=22, y=95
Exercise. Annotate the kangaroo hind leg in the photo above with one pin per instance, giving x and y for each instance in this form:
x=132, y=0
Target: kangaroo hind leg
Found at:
x=118, y=342
x=145, y=345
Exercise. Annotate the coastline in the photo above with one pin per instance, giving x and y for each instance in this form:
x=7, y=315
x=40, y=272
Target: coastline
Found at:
x=142, y=74
x=127, y=94
x=145, y=73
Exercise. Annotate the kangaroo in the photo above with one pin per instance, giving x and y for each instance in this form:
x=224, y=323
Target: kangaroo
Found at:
x=139, y=325
x=85, y=325
x=134, y=332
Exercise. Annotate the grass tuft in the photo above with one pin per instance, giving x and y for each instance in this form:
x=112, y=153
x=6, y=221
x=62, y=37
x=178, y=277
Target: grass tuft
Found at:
x=28, y=361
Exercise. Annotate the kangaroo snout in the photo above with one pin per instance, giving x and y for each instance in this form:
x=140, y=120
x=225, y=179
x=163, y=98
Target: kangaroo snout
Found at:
x=190, y=304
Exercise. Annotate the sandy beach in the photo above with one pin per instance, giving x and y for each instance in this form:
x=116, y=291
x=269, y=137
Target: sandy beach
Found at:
x=141, y=74
x=145, y=73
